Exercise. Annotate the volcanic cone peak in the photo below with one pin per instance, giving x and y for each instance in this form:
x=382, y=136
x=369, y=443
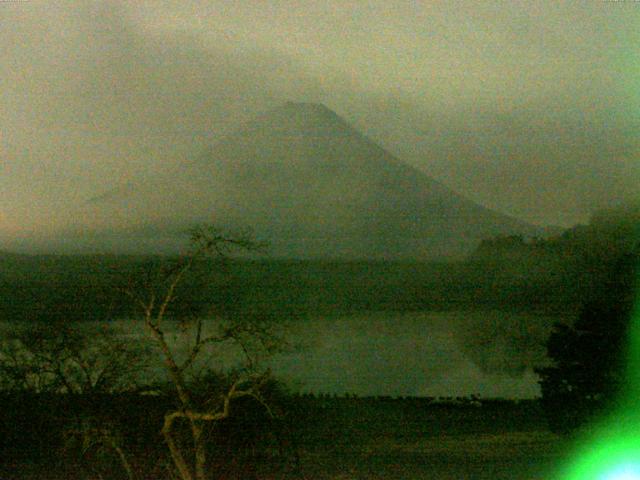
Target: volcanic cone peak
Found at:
x=314, y=186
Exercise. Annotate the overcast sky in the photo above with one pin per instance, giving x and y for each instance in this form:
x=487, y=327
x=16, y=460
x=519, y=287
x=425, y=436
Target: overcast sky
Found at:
x=532, y=108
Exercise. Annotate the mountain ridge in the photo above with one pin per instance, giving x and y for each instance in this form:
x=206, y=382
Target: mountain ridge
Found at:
x=306, y=180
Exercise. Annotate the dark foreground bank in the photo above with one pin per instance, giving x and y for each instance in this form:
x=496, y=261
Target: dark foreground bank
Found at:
x=82, y=437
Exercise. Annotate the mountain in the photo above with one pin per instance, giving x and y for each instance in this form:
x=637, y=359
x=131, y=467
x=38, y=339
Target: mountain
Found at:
x=305, y=180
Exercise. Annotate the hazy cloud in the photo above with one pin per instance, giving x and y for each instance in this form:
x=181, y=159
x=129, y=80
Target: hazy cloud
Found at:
x=527, y=107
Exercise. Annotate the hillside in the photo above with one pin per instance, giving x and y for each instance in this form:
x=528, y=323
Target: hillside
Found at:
x=303, y=179
x=575, y=261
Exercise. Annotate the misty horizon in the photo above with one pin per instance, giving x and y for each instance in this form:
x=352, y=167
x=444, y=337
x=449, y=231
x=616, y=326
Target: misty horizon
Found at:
x=332, y=240
x=527, y=110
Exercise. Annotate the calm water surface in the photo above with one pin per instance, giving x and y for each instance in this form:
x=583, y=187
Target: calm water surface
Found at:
x=489, y=353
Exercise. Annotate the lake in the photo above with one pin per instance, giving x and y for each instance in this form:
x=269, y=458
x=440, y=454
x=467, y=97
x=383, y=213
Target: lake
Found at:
x=440, y=354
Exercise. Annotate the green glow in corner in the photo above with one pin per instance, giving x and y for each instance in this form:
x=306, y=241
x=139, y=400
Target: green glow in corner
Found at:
x=612, y=451
x=624, y=472
x=614, y=455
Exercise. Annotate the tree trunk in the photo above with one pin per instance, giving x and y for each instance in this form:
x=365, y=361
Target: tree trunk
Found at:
x=176, y=454
x=200, y=450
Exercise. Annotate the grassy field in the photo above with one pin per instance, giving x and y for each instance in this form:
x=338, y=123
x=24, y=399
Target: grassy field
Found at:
x=414, y=439
x=508, y=456
x=364, y=438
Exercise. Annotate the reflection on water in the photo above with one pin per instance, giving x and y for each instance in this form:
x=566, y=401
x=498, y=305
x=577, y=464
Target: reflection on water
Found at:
x=490, y=354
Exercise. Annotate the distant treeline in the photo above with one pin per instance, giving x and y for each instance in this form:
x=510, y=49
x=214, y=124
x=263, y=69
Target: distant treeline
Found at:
x=555, y=274
x=572, y=264
x=92, y=288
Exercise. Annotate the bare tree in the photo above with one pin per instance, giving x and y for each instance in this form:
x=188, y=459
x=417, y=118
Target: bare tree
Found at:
x=76, y=359
x=69, y=358
x=155, y=297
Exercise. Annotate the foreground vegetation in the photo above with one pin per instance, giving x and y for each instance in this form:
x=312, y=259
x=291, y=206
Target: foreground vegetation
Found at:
x=555, y=274
x=312, y=437
x=78, y=409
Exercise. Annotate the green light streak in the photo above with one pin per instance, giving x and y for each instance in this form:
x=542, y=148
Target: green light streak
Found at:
x=612, y=450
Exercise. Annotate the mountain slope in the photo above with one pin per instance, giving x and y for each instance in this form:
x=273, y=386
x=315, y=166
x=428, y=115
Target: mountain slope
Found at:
x=305, y=180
